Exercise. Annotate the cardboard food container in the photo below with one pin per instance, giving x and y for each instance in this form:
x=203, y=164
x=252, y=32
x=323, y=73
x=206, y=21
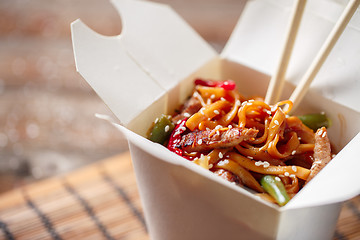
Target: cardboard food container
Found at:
x=149, y=69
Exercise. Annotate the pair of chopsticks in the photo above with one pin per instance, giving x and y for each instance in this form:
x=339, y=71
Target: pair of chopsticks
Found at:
x=277, y=81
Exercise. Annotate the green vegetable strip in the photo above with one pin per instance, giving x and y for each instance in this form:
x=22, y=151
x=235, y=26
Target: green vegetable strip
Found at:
x=275, y=188
x=315, y=121
x=162, y=129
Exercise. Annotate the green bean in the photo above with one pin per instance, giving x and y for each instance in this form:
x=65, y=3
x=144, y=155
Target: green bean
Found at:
x=315, y=121
x=275, y=188
x=161, y=129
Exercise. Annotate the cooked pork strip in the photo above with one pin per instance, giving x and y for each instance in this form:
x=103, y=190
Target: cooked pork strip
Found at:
x=191, y=107
x=227, y=175
x=322, y=152
x=200, y=141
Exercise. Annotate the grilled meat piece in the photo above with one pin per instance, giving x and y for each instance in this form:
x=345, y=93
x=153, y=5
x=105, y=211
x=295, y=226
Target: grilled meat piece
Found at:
x=227, y=175
x=200, y=141
x=322, y=152
x=191, y=106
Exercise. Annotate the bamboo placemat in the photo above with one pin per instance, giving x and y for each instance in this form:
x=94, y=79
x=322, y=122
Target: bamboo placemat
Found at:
x=99, y=202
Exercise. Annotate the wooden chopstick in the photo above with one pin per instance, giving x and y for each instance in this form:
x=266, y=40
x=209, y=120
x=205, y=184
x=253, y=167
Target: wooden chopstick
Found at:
x=323, y=53
x=277, y=81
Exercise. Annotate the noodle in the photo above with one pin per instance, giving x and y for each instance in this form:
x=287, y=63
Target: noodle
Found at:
x=208, y=112
x=241, y=172
x=247, y=163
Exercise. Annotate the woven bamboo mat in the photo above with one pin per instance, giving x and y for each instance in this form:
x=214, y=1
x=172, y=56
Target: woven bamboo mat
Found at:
x=99, y=202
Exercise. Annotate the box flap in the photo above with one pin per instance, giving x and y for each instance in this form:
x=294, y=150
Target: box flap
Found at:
x=155, y=50
x=104, y=64
x=260, y=33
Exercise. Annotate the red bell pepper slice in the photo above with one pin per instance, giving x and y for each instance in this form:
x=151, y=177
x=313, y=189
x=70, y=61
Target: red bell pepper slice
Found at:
x=227, y=84
x=175, y=137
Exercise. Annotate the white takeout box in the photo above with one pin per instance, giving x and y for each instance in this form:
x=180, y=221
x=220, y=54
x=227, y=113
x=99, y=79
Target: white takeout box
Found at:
x=149, y=69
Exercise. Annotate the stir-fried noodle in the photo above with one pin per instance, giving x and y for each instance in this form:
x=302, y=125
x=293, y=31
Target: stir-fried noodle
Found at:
x=244, y=139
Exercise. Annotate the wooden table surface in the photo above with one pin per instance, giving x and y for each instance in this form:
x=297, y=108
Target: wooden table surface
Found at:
x=100, y=201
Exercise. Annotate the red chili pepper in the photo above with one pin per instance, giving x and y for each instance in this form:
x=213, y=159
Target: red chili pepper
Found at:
x=205, y=83
x=175, y=138
x=227, y=84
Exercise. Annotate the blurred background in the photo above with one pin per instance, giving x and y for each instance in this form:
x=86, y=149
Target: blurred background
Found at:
x=47, y=122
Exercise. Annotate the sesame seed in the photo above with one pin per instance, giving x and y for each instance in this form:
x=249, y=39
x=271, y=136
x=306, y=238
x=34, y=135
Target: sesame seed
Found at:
x=179, y=121
x=267, y=111
x=220, y=155
x=218, y=127
x=251, y=100
x=299, y=138
x=281, y=175
x=276, y=122
x=258, y=163
x=187, y=114
x=222, y=99
x=266, y=164
x=210, y=166
x=212, y=96
x=216, y=111
x=293, y=152
x=250, y=157
x=277, y=178
x=237, y=102
x=199, y=141
x=230, y=126
x=320, y=132
x=294, y=168
x=292, y=175
x=324, y=134
x=156, y=120
x=287, y=174
x=182, y=128
x=167, y=128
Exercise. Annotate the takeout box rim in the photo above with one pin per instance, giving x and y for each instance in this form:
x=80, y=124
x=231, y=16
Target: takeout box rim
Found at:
x=205, y=173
